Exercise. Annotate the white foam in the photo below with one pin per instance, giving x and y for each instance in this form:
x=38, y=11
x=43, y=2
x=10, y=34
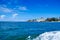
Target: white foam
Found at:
x=29, y=38
x=54, y=35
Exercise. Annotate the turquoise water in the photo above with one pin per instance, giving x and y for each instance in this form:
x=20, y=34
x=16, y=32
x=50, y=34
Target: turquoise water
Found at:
x=24, y=30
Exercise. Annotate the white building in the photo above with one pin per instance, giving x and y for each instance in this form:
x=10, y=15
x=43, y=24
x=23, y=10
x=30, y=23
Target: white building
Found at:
x=41, y=19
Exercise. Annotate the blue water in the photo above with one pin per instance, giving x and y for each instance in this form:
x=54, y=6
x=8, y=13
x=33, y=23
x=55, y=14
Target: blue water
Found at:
x=21, y=30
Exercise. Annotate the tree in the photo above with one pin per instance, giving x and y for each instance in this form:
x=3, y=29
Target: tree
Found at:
x=29, y=21
x=52, y=19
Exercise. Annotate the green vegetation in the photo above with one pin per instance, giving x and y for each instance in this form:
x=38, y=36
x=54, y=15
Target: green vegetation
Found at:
x=52, y=19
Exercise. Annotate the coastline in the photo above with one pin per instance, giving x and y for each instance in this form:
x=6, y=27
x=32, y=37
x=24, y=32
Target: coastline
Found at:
x=27, y=21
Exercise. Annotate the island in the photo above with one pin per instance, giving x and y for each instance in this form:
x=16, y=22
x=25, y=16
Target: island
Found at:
x=42, y=19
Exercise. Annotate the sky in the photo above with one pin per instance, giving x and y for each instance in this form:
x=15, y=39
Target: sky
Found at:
x=22, y=10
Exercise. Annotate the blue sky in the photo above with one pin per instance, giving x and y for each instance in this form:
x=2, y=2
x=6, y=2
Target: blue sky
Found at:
x=22, y=10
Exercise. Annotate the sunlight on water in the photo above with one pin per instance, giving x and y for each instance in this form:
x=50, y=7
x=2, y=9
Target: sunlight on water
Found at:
x=54, y=35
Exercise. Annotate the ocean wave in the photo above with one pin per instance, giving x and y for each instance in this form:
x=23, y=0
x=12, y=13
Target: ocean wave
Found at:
x=53, y=35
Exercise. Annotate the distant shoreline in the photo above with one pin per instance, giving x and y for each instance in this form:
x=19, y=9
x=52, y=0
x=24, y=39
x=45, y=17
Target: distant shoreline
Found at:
x=26, y=21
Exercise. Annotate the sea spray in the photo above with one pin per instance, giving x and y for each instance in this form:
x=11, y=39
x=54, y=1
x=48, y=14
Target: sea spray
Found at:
x=53, y=35
x=29, y=38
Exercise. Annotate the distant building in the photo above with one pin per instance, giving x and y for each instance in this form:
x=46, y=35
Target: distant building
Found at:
x=41, y=19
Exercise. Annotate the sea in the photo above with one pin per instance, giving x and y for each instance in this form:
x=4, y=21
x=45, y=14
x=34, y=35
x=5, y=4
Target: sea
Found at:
x=29, y=30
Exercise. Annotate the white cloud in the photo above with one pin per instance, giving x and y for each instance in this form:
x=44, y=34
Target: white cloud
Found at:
x=3, y=8
x=2, y=16
x=14, y=15
x=7, y=10
x=23, y=8
x=14, y=12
